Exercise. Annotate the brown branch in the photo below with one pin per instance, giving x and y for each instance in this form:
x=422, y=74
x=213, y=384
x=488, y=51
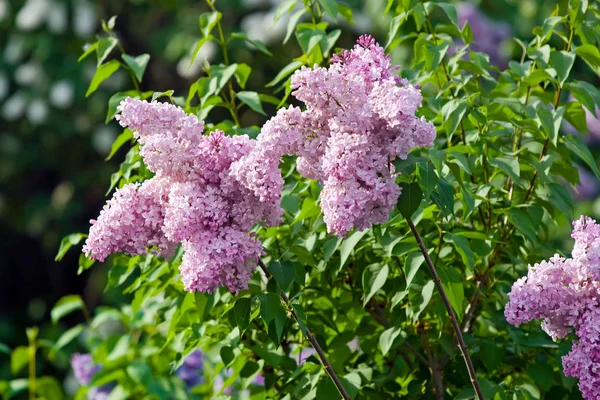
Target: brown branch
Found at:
x=449, y=310
x=311, y=339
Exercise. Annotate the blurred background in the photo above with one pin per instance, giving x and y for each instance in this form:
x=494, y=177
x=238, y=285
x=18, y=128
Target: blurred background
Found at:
x=54, y=141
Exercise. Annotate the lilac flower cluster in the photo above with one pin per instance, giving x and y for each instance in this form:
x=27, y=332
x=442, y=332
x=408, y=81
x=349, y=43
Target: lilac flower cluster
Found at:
x=359, y=117
x=190, y=371
x=84, y=370
x=192, y=199
x=565, y=293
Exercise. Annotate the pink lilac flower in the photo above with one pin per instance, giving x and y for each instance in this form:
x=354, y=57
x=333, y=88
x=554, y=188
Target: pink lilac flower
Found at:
x=192, y=200
x=565, y=294
x=84, y=370
x=359, y=117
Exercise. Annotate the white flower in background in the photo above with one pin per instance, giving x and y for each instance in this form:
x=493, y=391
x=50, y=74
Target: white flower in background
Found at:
x=261, y=26
x=84, y=18
x=206, y=53
x=33, y=14
x=57, y=17
x=61, y=94
x=14, y=107
x=37, y=111
x=29, y=74
x=4, y=9
x=14, y=51
x=102, y=139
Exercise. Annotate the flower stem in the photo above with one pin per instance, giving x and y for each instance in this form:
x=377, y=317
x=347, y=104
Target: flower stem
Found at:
x=311, y=339
x=451, y=314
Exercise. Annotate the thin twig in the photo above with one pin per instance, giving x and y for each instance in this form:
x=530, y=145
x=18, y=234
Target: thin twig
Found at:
x=311, y=339
x=451, y=314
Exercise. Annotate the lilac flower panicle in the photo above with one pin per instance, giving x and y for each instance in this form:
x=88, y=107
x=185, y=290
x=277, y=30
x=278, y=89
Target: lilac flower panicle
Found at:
x=359, y=117
x=565, y=294
x=84, y=370
x=190, y=371
x=193, y=199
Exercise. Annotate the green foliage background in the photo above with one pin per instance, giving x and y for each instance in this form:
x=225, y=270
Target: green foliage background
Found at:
x=479, y=218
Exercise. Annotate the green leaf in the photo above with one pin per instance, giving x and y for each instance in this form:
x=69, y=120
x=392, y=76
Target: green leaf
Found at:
x=575, y=115
x=444, y=198
x=373, y=279
x=137, y=64
x=562, y=62
x=576, y=146
x=551, y=122
x=452, y=113
x=292, y=24
x=310, y=209
x=395, y=24
x=157, y=95
x=274, y=315
x=330, y=7
x=4, y=349
x=219, y=76
x=114, y=102
x=345, y=12
x=523, y=223
x=204, y=303
x=509, y=165
x=19, y=358
x=591, y=55
x=586, y=93
x=252, y=100
x=104, y=48
x=91, y=48
x=467, y=33
x=302, y=321
x=387, y=338
x=49, y=388
x=454, y=288
x=329, y=41
x=461, y=245
x=66, y=338
x=208, y=21
x=450, y=11
x=536, y=77
x=425, y=298
x=287, y=70
x=283, y=273
x=199, y=45
x=228, y=355
x=256, y=43
x=241, y=312
x=242, y=73
x=65, y=306
x=102, y=73
x=348, y=246
x=67, y=242
x=309, y=38
x=124, y=137
x=410, y=199
x=411, y=266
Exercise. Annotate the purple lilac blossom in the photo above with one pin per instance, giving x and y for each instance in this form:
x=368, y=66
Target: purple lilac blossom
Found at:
x=488, y=35
x=84, y=370
x=192, y=200
x=589, y=186
x=359, y=117
x=190, y=371
x=565, y=293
